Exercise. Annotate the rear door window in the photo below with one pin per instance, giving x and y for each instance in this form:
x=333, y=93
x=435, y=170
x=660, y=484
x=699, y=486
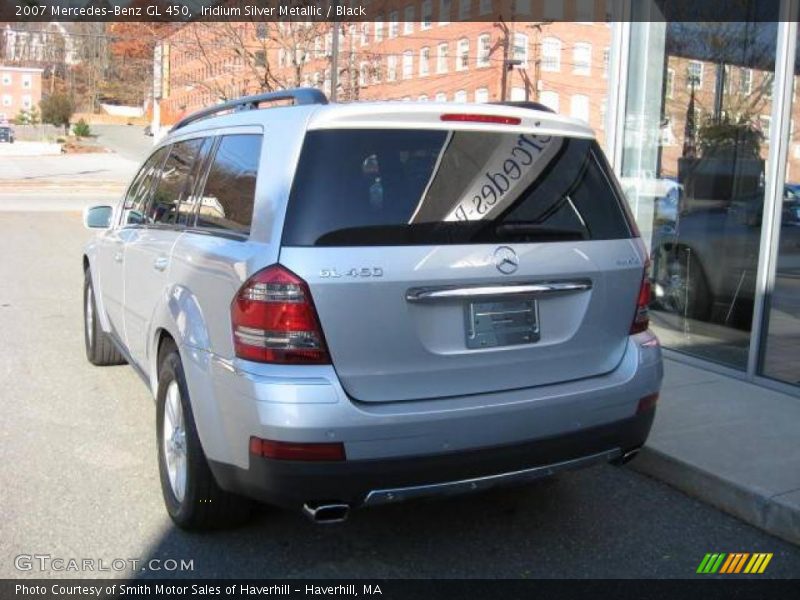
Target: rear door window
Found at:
x=139, y=191
x=421, y=187
x=173, y=185
x=229, y=193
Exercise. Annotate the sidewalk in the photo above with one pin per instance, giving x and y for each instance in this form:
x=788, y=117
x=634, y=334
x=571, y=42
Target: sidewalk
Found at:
x=730, y=443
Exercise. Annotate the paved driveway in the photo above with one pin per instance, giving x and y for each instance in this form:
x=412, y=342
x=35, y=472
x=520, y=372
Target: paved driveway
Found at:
x=79, y=475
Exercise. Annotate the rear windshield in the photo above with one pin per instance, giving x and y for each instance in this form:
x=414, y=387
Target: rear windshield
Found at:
x=418, y=187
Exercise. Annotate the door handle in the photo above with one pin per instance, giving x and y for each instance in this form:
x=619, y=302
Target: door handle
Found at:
x=160, y=263
x=118, y=256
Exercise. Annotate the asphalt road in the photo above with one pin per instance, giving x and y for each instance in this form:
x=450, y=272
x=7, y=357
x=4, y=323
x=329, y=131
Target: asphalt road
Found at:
x=79, y=476
x=128, y=141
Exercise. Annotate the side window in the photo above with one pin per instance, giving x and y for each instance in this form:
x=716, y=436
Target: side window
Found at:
x=172, y=186
x=139, y=192
x=186, y=209
x=228, y=197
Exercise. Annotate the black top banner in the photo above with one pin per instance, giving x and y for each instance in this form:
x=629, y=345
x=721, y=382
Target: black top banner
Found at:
x=390, y=10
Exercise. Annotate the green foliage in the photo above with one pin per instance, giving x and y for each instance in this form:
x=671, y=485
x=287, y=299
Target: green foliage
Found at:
x=57, y=109
x=27, y=117
x=81, y=129
x=726, y=137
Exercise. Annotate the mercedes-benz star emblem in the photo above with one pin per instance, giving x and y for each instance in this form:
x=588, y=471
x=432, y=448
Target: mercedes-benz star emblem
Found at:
x=506, y=260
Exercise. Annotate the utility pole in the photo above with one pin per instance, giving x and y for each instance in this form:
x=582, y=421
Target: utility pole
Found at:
x=504, y=42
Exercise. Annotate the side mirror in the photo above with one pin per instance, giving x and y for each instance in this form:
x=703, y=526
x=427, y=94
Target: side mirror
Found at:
x=97, y=217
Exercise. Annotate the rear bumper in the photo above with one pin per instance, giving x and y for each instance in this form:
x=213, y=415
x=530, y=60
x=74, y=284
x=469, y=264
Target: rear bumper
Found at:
x=408, y=444
x=371, y=482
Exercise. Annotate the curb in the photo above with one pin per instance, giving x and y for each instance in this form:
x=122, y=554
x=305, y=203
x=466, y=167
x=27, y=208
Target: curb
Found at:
x=749, y=504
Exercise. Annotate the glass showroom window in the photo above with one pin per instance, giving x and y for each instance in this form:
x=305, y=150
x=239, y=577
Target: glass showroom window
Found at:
x=695, y=171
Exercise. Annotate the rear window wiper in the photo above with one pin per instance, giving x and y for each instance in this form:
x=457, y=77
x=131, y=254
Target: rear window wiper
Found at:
x=539, y=232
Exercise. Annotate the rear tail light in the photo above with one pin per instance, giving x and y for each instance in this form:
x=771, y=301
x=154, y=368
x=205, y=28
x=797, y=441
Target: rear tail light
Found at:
x=469, y=118
x=331, y=451
x=641, y=318
x=647, y=403
x=274, y=320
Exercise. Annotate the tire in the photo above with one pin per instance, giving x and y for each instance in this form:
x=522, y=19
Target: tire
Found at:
x=686, y=289
x=197, y=503
x=100, y=349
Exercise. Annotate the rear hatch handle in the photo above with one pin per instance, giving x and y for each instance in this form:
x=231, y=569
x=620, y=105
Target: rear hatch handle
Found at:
x=533, y=289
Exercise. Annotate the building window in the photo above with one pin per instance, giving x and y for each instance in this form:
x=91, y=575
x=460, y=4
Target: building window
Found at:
x=606, y=61
x=441, y=97
x=551, y=54
x=765, y=122
x=484, y=49
x=261, y=31
x=422, y=98
x=364, y=34
x=550, y=100
x=522, y=7
x=426, y=14
x=408, y=20
x=441, y=57
x=394, y=25
x=27, y=102
x=463, y=10
x=553, y=10
x=408, y=64
x=520, y=51
x=379, y=29
x=670, y=84
x=694, y=74
x=485, y=7
x=375, y=66
x=482, y=95
x=424, y=59
x=363, y=75
x=462, y=55
x=391, y=68
x=518, y=94
x=746, y=81
x=6, y=99
x=27, y=80
x=6, y=78
x=260, y=58
x=579, y=107
x=582, y=59
x=584, y=11
x=603, y=112
x=460, y=96
x=444, y=12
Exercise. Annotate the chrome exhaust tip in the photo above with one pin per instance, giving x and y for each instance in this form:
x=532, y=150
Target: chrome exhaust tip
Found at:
x=327, y=513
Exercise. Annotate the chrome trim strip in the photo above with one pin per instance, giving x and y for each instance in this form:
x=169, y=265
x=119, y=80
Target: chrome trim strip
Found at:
x=537, y=289
x=462, y=486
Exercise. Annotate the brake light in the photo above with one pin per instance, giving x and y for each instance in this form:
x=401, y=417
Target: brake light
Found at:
x=481, y=119
x=330, y=451
x=641, y=318
x=274, y=320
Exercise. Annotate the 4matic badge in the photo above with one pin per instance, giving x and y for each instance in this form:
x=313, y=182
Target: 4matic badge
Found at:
x=357, y=272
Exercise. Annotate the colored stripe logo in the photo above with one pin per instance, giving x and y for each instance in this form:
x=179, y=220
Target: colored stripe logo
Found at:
x=733, y=563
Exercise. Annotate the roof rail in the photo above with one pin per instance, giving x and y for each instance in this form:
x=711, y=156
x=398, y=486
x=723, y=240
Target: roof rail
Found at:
x=526, y=104
x=299, y=95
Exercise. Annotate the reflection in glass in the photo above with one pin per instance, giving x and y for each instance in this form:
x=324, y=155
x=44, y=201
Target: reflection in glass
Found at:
x=694, y=167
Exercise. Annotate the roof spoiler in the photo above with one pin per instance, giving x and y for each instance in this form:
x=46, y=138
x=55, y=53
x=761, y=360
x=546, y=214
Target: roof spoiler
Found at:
x=525, y=104
x=301, y=96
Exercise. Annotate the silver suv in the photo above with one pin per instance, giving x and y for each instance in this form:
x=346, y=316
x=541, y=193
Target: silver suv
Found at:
x=348, y=305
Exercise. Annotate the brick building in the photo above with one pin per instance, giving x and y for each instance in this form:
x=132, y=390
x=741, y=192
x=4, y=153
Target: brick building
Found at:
x=426, y=51
x=20, y=89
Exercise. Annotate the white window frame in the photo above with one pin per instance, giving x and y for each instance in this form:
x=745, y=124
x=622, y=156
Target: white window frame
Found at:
x=391, y=67
x=379, y=29
x=408, y=64
x=8, y=78
x=580, y=101
x=484, y=50
x=408, y=19
x=460, y=96
x=462, y=55
x=520, y=51
x=689, y=65
x=441, y=97
x=582, y=58
x=424, y=61
x=669, y=92
x=551, y=63
x=551, y=99
x=482, y=95
x=442, y=57
x=394, y=24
